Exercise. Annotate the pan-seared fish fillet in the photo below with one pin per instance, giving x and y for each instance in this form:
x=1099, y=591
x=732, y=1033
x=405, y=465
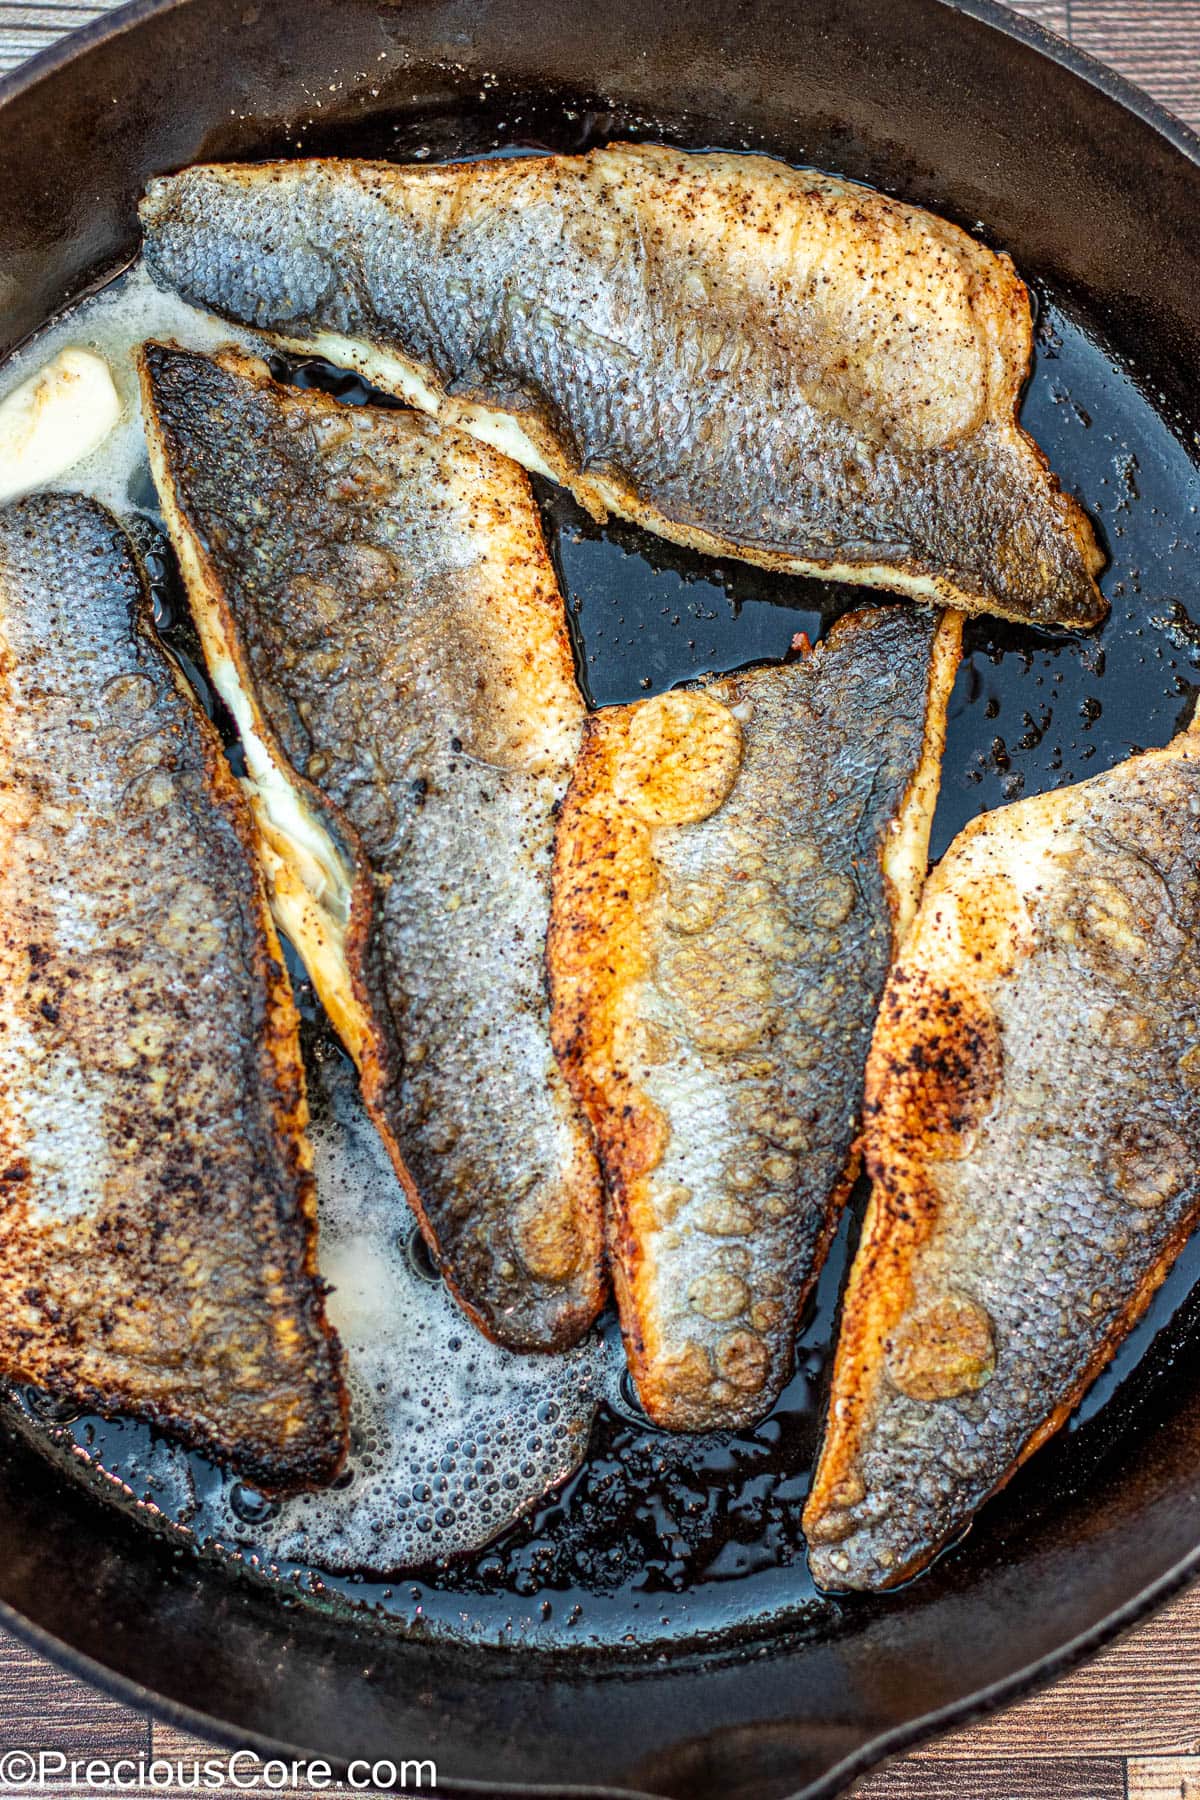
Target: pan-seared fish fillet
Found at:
x=378, y=610
x=750, y=359
x=1033, y=1135
x=157, y=1211
x=734, y=865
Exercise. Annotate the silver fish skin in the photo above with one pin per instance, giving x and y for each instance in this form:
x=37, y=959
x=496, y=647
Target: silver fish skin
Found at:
x=746, y=358
x=1033, y=1138
x=735, y=864
x=157, y=1209
x=378, y=610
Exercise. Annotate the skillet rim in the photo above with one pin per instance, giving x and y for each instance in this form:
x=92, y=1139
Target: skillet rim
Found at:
x=875, y=1751
x=871, y=1755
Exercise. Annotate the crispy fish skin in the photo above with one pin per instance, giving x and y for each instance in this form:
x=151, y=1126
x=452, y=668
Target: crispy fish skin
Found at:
x=158, y=1215
x=1032, y=1133
x=733, y=865
x=377, y=606
x=746, y=358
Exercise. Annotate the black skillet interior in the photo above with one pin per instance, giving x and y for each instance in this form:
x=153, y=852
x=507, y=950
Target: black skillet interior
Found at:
x=1100, y=211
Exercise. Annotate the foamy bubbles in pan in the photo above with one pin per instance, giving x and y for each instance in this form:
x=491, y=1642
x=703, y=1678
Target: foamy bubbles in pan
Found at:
x=451, y=1436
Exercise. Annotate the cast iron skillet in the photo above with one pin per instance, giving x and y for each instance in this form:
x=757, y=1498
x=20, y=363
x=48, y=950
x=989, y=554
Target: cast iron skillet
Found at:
x=1096, y=193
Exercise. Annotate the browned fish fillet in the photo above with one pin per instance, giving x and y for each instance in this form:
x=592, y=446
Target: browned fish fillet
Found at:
x=378, y=610
x=750, y=359
x=1033, y=1138
x=157, y=1212
x=733, y=868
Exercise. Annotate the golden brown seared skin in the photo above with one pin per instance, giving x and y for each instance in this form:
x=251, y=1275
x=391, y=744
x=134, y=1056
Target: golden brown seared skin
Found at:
x=734, y=865
x=157, y=1211
x=378, y=610
x=1033, y=1135
x=750, y=359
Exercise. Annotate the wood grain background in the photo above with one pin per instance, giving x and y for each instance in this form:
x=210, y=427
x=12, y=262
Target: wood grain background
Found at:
x=1125, y=1728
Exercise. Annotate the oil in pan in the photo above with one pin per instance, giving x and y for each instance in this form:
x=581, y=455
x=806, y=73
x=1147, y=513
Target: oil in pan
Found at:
x=628, y=1535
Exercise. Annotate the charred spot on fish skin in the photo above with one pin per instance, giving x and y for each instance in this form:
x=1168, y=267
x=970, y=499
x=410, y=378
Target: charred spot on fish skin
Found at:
x=940, y=1091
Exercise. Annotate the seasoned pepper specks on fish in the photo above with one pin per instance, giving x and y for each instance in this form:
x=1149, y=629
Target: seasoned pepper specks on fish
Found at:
x=746, y=358
x=1033, y=1137
x=378, y=609
x=157, y=1213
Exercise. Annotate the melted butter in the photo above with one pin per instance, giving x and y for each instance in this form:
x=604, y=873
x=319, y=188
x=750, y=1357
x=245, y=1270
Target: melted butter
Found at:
x=54, y=419
x=107, y=329
x=452, y=1436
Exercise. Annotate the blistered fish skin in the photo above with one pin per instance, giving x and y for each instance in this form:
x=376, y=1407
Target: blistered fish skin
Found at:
x=377, y=606
x=1033, y=1134
x=157, y=1218
x=733, y=867
x=746, y=358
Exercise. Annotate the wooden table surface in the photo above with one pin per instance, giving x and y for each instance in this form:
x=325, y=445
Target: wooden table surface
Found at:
x=1127, y=1727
